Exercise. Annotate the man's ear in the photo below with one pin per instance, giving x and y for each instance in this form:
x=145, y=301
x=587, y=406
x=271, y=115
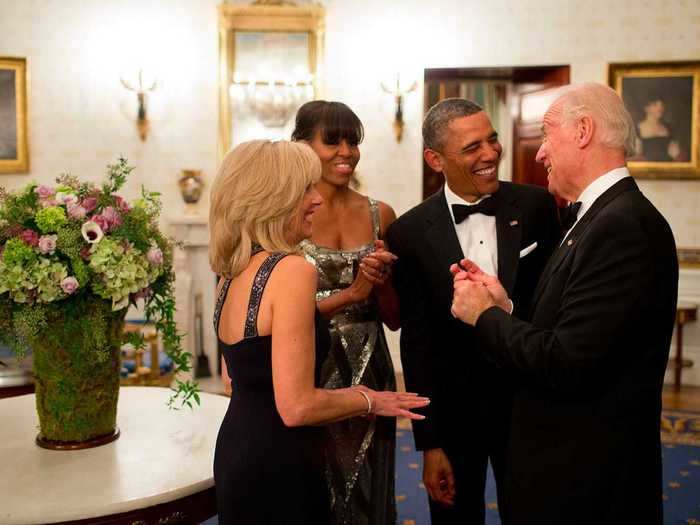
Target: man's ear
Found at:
x=433, y=159
x=584, y=131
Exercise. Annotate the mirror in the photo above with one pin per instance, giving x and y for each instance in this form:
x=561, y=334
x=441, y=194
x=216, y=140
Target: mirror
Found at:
x=269, y=66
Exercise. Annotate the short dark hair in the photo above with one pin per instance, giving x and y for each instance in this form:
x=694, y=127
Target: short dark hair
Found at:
x=439, y=116
x=334, y=120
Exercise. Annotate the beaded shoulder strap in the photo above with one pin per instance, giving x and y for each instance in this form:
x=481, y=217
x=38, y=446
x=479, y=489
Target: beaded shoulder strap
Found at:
x=374, y=211
x=256, y=292
x=220, y=303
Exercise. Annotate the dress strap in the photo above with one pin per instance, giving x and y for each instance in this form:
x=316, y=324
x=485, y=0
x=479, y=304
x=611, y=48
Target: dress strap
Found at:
x=374, y=212
x=220, y=303
x=256, y=292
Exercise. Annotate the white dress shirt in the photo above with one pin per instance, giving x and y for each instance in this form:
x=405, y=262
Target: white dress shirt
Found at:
x=476, y=234
x=595, y=189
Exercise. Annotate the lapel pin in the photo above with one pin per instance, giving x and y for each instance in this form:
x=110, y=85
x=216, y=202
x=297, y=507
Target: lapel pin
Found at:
x=569, y=242
x=514, y=223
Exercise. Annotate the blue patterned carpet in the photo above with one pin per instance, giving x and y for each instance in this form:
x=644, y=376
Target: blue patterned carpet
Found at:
x=681, y=464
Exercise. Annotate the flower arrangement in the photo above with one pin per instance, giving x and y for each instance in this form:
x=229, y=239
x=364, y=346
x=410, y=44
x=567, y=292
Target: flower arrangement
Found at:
x=80, y=253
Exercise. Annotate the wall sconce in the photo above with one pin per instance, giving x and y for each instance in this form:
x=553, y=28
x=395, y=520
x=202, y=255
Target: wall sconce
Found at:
x=272, y=101
x=398, y=92
x=142, y=123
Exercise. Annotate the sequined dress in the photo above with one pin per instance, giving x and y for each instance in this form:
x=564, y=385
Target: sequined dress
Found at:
x=265, y=473
x=359, y=451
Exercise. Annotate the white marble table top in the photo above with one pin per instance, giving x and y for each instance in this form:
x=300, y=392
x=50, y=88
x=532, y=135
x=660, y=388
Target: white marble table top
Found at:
x=162, y=455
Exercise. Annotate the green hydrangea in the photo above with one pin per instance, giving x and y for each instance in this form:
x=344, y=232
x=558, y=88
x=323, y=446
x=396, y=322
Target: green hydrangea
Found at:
x=46, y=276
x=40, y=280
x=50, y=219
x=120, y=271
x=17, y=253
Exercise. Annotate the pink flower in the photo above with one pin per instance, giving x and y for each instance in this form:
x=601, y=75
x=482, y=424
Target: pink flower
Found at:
x=30, y=237
x=44, y=192
x=89, y=203
x=155, y=256
x=47, y=203
x=69, y=285
x=122, y=204
x=76, y=211
x=47, y=244
x=101, y=221
x=112, y=216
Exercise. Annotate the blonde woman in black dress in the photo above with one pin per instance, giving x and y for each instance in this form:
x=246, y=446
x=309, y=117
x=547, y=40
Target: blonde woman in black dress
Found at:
x=268, y=461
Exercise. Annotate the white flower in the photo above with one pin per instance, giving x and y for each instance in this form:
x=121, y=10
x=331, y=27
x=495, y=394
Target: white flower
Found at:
x=92, y=233
x=63, y=197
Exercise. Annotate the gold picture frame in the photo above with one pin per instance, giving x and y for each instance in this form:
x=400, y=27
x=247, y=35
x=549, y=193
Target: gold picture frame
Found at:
x=14, y=148
x=664, y=101
x=264, y=17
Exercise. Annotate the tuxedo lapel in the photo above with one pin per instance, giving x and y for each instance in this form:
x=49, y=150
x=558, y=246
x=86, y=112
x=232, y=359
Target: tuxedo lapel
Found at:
x=441, y=233
x=508, y=235
x=569, y=243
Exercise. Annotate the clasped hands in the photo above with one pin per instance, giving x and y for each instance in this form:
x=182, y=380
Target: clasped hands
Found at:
x=475, y=291
x=376, y=266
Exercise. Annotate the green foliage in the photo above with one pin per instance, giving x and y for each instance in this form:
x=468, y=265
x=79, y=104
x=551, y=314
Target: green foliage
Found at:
x=136, y=228
x=116, y=174
x=18, y=208
x=70, y=240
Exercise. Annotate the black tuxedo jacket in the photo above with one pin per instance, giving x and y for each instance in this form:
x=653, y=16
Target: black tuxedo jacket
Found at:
x=436, y=350
x=584, y=446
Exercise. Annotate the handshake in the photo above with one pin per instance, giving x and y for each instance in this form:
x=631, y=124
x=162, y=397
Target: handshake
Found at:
x=476, y=291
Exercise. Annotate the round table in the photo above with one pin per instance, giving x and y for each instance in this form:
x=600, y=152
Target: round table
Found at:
x=159, y=470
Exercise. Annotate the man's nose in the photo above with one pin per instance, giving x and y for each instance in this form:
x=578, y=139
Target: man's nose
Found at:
x=492, y=152
x=540, y=154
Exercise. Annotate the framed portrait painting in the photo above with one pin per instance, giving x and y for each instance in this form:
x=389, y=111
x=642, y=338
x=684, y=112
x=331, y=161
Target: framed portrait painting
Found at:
x=662, y=98
x=14, y=150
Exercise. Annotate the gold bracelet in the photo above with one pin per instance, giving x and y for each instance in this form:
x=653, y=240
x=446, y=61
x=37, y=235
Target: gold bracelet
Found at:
x=369, y=401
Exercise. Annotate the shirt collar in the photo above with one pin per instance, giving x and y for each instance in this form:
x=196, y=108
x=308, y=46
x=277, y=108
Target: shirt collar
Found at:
x=599, y=186
x=452, y=198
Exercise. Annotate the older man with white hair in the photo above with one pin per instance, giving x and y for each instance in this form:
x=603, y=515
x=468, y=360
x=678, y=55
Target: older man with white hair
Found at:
x=585, y=444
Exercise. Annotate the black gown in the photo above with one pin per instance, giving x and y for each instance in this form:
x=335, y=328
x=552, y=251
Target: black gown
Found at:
x=265, y=472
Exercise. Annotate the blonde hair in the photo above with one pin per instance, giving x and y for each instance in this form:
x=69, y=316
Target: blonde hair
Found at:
x=253, y=200
x=607, y=109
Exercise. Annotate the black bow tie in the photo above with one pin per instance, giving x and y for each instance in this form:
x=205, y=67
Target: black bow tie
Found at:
x=568, y=215
x=462, y=211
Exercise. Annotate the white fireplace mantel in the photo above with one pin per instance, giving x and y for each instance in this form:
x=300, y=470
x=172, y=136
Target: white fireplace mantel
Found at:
x=193, y=276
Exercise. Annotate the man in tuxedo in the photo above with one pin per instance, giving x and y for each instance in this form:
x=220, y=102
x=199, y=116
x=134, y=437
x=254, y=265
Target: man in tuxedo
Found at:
x=584, y=445
x=510, y=229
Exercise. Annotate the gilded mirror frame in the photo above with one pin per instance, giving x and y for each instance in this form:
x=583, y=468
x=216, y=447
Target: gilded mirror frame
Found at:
x=263, y=17
x=14, y=102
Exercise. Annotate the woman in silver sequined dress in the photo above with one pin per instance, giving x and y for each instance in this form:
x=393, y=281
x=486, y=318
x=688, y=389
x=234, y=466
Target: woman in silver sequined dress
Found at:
x=355, y=294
